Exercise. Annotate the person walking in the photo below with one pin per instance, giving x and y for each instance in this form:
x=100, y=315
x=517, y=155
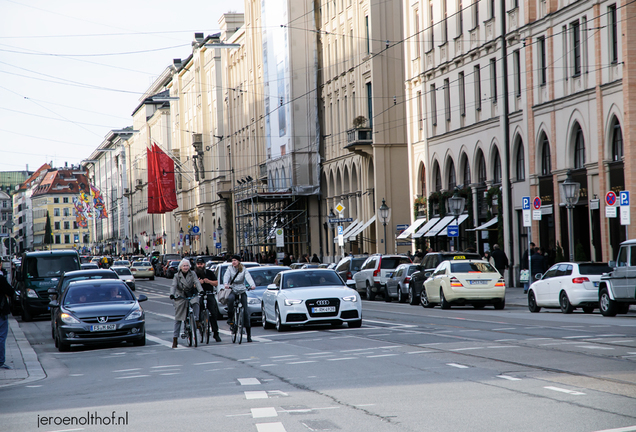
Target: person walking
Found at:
x=524, y=266
x=6, y=293
x=184, y=284
x=235, y=277
x=315, y=259
x=500, y=259
x=209, y=282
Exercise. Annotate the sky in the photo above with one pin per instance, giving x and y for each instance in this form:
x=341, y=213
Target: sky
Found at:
x=72, y=70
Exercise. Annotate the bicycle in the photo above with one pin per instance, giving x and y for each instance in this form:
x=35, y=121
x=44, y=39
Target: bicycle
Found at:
x=189, y=324
x=205, y=321
x=237, y=327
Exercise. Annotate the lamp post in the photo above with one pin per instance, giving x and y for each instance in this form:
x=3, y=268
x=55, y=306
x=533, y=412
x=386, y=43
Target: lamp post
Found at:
x=219, y=231
x=384, y=215
x=181, y=239
x=332, y=216
x=570, y=190
x=456, y=206
x=165, y=237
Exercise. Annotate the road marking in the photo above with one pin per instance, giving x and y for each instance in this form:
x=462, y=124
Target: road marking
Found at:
x=265, y=365
x=623, y=429
x=359, y=349
x=249, y=381
x=364, y=405
x=270, y=427
x=302, y=362
x=34, y=386
x=264, y=412
x=536, y=339
x=255, y=395
x=466, y=349
x=382, y=355
x=76, y=375
x=165, y=366
x=158, y=340
x=419, y=352
x=562, y=390
x=502, y=346
x=248, y=359
x=506, y=340
x=594, y=347
x=578, y=337
x=132, y=376
x=343, y=358
x=509, y=378
x=379, y=334
x=505, y=328
x=457, y=365
x=319, y=353
x=206, y=363
x=170, y=373
x=127, y=370
x=283, y=356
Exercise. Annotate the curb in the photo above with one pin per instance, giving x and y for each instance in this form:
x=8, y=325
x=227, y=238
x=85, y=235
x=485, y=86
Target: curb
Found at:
x=29, y=357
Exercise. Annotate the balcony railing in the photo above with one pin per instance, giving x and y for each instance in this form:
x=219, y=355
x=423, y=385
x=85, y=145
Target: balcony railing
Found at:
x=359, y=140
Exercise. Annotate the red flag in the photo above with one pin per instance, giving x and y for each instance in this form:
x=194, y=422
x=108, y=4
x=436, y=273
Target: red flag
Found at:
x=165, y=176
x=154, y=195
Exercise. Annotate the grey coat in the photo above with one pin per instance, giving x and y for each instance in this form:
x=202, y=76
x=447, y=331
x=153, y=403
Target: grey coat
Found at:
x=239, y=282
x=181, y=284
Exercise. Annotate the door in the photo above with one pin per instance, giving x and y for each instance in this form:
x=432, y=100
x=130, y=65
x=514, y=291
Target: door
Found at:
x=619, y=276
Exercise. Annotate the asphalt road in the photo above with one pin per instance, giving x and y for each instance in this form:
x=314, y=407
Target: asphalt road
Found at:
x=406, y=369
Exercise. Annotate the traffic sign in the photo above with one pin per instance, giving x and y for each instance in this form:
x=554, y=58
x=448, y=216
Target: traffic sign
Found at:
x=218, y=245
x=402, y=227
x=341, y=220
x=340, y=230
x=536, y=203
x=340, y=208
x=452, y=231
x=610, y=198
x=525, y=203
x=624, y=198
x=195, y=229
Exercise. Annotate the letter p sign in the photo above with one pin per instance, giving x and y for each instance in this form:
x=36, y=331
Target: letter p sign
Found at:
x=624, y=198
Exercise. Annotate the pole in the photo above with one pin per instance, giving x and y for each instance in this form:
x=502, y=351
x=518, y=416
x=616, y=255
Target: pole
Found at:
x=570, y=239
x=384, y=223
x=529, y=257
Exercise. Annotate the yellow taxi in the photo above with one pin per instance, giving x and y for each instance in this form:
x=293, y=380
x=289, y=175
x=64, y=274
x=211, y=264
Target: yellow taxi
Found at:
x=464, y=282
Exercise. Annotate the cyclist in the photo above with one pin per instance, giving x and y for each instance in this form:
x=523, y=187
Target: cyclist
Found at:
x=235, y=277
x=208, y=282
x=184, y=284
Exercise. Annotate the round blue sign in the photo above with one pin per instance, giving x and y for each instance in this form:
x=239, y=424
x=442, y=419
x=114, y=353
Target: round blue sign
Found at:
x=195, y=230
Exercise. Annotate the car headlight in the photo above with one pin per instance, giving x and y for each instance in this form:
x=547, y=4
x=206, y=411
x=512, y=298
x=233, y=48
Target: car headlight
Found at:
x=253, y=300
x=291, y=302
x=352, y=298
x=135, y=314
x=69, y=319
x=31, y=293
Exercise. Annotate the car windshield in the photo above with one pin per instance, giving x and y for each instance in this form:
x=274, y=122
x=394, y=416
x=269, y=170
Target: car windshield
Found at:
x=50, y=266
x=356, y=263
x=391, y=263
x=264, y=276
x=121, y=263
x=594, y=269
x=411, y=270
x=472, y=267
x=141, y=264
x=86, y=294
x=121, y=271
x=311, y=279
x=68, y=280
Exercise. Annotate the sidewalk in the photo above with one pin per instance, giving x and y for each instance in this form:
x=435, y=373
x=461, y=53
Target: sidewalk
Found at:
x=516, y=297
x=21, y=357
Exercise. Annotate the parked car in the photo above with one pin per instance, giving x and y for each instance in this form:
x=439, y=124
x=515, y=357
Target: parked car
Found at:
x=121, y=263
x=98, y=312
x=460, y=282
x=315, y=296
x=348, y=266
x=616, y=289
x=89, y=266
x=172, y=268
x=372, y=277
x=428, y=266
x=143, y=269
x=126, y=275
x=397, y=286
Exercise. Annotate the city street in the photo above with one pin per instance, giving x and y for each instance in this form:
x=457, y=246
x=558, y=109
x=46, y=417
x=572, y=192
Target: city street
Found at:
x=407, y=369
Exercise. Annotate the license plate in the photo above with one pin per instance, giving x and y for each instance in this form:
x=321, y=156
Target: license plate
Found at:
x=596, y=284
x=323, y=309
x=478, y=282
x=103, y=327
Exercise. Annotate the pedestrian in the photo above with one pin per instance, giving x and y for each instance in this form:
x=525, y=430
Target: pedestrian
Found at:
x=537, y=262
x=209, y=282
x=524, y=266
x=235, y=277
x=287, y=260
x=6, y=293
x=315, y=259
x=184, y=284
x=500, y=259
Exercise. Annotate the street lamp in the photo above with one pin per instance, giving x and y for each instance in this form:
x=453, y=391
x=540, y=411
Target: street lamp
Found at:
x=570, y=191
x=384, y=215
x=219, y=231
x=137, y=242
x=456, y=206
x=165, y=237
x=332, y=216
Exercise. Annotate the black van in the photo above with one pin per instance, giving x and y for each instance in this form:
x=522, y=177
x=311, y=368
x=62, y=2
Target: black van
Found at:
x=39, y=272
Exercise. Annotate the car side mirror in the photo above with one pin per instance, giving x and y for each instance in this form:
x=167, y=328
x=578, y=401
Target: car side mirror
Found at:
x=538, y=276
x=142, y=298
x=612, y=264
x=53, y=304
x=272, y=287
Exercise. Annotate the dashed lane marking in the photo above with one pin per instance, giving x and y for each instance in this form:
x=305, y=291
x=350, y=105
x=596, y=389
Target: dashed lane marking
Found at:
x=206, y=363
x=126, y=370
x=459, y=366
x=165, y=366
x=160, y=341
x=342, y=358
x=302, y=362
x=264, y=412
x=255, y=395
x=382, y=355
x=132, y=376
x=509, y=378
x=248, y=381
x=562, y=390
x=270, y=427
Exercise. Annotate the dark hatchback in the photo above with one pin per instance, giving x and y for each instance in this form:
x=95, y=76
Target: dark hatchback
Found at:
x=98, y=312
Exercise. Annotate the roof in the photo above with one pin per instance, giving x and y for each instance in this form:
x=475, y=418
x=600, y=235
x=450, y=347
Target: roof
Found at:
x=51, y=252
x=62, y=181
x=35, y=175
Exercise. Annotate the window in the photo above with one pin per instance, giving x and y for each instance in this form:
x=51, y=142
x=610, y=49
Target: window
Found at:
x=85, y=239
x=546, y=161
x=444, y=21
x=447, y=102
x=521, y=165
x=438, y=178
x=496, y=172
x=466, y=172
x=56, y=225
x=366, y=28
x=431, y=26
x=576, y=48
x=617, y=142
x=75, y=225
x=579, y=148
x=491, y=8
x=475, y=13
x=370, y=104
x=481, y=168
x=477, y=76
x=452, y=180
x=67, y=225
x=612, y=27
x=460, y=18
x=65, y=200
x=516, y=59
x=67, y=238
x=56, y=212
x=418, y=39
x=56, y=200
x=4, y=216
x=67, y=211
x=543, y=78
x=433, y=105
x=462, y=94
x=58, y=239
x=493, y=79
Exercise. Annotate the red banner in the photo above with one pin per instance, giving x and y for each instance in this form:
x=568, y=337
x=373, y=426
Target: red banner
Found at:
x=164, y=168
x=154, y=195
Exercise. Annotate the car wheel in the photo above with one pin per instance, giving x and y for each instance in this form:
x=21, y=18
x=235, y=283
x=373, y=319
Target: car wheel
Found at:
x=442, y=300
x=355, y=324
x=532, y=303
x=26, y=315
x=370, y=294
x=279, y=325
x=401, y=298
x=564, y=302
x=588, y=309
x=412, y=296
x=424, y=300
x=622, y=308
x=61, y=346
x=606, y=304
x=500, y=304
x=152, y=278
x=266, y=325
x=387, y=296
x=140, y=342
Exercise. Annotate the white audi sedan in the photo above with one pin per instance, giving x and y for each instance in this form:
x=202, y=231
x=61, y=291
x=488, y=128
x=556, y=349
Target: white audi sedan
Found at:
x=568, y=285
x=310, y=296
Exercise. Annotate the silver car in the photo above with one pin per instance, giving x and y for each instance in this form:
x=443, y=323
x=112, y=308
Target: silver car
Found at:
x=397, y=285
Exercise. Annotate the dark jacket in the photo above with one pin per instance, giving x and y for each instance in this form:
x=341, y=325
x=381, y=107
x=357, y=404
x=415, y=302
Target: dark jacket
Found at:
x=537, y=261
x=500, y=259
x=6, y=293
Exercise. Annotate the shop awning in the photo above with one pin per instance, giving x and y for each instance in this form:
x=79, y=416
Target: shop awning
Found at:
x=439, y=226
x=461, y=219
x=410, y=230
x=486, y=226
x=427, y=226
x=348, y=229
x=361, y=228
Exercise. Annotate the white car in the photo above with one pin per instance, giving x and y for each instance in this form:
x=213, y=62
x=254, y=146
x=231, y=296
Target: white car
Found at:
x=310, y=296
x=460, y=282
x=568, y=285
x=126, y=275
x=143, y=269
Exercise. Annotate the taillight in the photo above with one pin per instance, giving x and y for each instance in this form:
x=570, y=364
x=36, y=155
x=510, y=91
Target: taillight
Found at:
x=377, y=272
x=501, y=282
x=407, y=279
x=454, y=282
x=349, y=276
x=580, y=280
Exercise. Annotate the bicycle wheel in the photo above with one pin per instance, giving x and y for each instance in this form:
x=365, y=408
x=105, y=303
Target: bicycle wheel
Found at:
x=205, y=324
x=235, y=325
x=187, y=330
x=193, y=330
x=240, y=325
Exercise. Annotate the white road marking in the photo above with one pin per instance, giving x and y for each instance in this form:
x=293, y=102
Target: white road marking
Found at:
x=165, y=366
x=249, y=381
x=536, y=339
x=623, y=429
x=270, y=427
x=206, y=363
x=159, y=341
x=265, y=365
x=594, y=347
x=302, y=362
x=170, y=373
x=379, y=334
x=562, y=390
x=501, y=346
x=342, y=358
x=506, y=340
x=255, y=395
x=248, y=359
x=509, y=378
x=579, y=337
x=382, y=355
x=319, y=353
x=76, y=375
x=276, y=393
x=505, y=328
x=127, y=370
x=34, y=386
x=264, y=412
x=283, y=356
x=419, y=352
x=457, y=365
x=467, y=349
x=364, y=405
x=132, y=376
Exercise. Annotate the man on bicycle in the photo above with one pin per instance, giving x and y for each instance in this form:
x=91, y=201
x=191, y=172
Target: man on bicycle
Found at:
x=208, y=282
x=235, y=277
x=185, y=284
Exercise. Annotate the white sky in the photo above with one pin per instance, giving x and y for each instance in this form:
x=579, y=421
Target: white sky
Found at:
x=66, y=78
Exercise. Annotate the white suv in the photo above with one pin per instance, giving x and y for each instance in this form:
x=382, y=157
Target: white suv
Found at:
x=376, y=270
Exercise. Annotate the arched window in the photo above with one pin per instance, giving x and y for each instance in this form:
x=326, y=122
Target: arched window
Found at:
x=422, y=180
x=521, y=162
x=466, y=172
x=617, y=142
x=452, y=180
x=579, y=148
x=496, y=171
x=481, y=168
x=438, y=178
x=277, y=181
x=546, y=161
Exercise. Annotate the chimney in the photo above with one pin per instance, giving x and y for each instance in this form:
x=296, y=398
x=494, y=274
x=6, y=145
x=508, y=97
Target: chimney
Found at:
x=198, y=39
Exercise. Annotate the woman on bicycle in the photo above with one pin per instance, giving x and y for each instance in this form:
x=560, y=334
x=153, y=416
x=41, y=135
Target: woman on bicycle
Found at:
x=184, y=284
x=235, y=277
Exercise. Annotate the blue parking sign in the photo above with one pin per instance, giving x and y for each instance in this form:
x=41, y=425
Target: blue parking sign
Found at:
x=525, y=203
x=624, y=198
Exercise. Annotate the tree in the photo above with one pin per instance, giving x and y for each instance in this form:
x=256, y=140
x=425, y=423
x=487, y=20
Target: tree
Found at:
x=48, y=232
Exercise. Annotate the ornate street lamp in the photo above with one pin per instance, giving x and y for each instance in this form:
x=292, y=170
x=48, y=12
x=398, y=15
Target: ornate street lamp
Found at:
x=165, y=237
x=456, y=206
x=384, y=215
x=219, y=231
x=570, y=190
x=332, y=216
